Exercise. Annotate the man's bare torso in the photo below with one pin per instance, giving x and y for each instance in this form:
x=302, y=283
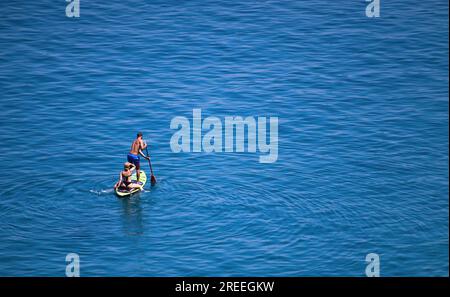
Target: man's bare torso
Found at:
x=135, y=147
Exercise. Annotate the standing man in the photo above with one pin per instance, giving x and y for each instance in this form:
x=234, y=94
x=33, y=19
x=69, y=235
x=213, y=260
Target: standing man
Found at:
x=136, y=149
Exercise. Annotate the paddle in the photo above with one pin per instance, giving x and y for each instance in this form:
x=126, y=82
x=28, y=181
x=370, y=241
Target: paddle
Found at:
x=153, y=178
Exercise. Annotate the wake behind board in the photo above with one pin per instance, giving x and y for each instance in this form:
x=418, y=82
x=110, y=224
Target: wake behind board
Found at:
x=142, y=180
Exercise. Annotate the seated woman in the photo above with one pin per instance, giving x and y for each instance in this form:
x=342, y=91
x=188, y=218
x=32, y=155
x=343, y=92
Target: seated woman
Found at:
x=125, y=178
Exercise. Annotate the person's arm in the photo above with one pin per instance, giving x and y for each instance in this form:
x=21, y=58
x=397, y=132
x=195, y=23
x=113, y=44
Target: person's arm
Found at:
x=142, y=145
x=133, y=167
x=142, y=154
x=119, y=182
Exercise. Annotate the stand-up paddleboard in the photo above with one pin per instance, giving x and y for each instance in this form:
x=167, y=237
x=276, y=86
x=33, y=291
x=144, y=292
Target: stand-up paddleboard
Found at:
x=142, y=180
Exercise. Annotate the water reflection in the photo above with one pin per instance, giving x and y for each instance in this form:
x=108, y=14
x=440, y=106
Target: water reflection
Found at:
x=132, y=215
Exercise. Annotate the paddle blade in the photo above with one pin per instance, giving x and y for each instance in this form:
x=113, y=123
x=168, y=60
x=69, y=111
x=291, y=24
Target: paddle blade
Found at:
x=153, y=180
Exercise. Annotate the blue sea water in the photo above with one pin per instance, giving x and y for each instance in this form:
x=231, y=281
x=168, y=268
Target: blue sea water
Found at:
x=363, y=137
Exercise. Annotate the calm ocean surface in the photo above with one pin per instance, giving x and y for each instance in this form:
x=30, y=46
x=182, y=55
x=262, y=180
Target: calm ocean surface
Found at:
x=363, y=137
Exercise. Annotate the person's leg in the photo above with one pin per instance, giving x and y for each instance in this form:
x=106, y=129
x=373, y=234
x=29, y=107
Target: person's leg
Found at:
x=138, y=167
x=136, y=186
x=121, y=186
x=135, y=161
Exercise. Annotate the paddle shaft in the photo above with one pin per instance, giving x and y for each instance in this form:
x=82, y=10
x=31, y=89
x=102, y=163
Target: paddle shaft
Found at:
x=153, y=179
